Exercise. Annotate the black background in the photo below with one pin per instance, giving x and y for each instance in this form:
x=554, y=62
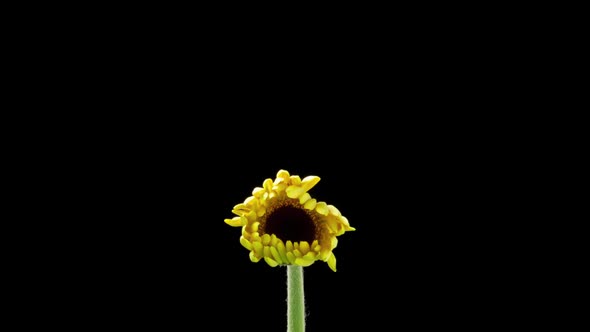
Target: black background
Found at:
x=145, y=176
x=149, y=246
x=154, y=135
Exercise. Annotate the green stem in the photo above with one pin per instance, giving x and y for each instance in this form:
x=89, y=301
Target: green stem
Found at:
x=295, y=299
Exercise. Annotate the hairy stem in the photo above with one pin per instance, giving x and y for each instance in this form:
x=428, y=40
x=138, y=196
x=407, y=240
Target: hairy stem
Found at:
x=295, y=299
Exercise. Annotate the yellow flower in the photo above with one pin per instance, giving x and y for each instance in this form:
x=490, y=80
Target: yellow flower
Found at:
x=282, y=224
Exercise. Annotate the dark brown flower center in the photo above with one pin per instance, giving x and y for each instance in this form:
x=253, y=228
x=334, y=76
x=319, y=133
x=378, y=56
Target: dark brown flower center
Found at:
x=290, y=223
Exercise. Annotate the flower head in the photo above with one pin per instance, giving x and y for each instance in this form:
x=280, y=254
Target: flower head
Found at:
x=282, y=224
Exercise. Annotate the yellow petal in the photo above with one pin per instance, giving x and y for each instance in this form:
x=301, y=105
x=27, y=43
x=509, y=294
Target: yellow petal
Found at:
x=275, y=254
x=270, y=261
x=266, y=239
x=304, y=198
x=278, y=180
x=332, y=224
x=279, y=187
x=310, y=205
x=257, y=248
x=283, y=174
x=253, y=257
x=315, y=246
x=267, y=184
x=291, y=258
x=240, y=209
x=332, y=262
x=310, y=256
x=334, y=242
x=257, y=192
x=295, y=191
x=235, y=222
x=297, y=253
x=260, y=211
x=255, y=226
x=282, y=251
x=295, y=179
x=266, y=251
x=251, y=216
x=239, y=212
x=263, y=199
x=273, y=240
x=309, y=182
x=334, y=211
x=251, y=200
x=289, y=246
x=240, y=206
x=322, y=208
x=344, y=221
x=346, y=224
x=324, y=254
x=303, y=262
x=255, y=237
x=245, y=243
x=304, y=247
